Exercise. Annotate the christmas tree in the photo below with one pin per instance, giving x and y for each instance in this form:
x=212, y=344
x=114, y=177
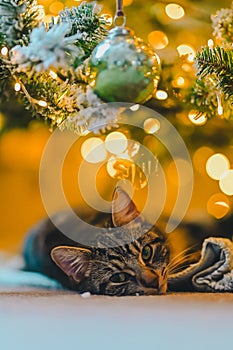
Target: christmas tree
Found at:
x=44, y=69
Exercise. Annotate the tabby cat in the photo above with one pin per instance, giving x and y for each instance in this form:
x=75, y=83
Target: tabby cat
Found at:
x=135, y=268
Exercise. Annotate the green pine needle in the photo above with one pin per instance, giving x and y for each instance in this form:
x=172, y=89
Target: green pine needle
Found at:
x=219, y=63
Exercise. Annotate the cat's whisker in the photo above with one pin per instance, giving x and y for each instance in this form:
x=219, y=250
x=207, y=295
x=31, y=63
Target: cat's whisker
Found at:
x=182, y=252
x=180, y=263
x=179, y=259
x=178, y=269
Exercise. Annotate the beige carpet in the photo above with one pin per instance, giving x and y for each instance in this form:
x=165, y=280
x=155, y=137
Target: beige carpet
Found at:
x=36, y=319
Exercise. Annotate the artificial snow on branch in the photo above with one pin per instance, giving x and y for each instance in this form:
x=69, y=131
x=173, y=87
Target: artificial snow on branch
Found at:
x=46, y=64
x=213, y=90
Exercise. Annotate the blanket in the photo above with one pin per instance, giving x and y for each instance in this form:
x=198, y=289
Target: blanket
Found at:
x=212, y=273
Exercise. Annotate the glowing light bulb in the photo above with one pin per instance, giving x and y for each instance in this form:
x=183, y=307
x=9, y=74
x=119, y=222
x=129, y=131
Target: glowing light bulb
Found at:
x=116, y=142
x=217, y=165
x=17, y=87
x=174, y=11
x=161, y=95
x=220, y=110
x=158, y=40
x=53, y=74
x=42, y=103
x=226, y=182
x=210, y=43
x=178, y=82
x=197, y=118
x=220, y=106
x=218, y=205
x=135, y=108
x=186, y=50
x=4, y=51
x=151, y=125
x=93, y=150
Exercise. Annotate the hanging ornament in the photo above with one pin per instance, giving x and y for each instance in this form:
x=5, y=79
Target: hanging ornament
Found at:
x=123, y=68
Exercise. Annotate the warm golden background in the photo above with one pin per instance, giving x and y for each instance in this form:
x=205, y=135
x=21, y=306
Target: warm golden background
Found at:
x=21, y=149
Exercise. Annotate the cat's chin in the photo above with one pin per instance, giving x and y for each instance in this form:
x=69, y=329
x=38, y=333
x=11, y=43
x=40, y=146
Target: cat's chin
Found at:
x=151, y=291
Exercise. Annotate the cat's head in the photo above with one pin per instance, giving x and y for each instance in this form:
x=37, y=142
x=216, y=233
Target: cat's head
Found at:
x=139, y=267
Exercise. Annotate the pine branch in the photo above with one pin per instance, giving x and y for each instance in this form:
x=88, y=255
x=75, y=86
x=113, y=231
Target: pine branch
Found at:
x=18, y=18
x=218, y=62
x=86, y=20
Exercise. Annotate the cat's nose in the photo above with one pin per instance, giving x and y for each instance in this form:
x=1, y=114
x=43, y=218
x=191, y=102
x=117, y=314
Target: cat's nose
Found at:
x=150, y=279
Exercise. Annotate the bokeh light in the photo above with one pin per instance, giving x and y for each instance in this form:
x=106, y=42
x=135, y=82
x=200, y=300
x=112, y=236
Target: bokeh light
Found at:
x=135, y=108
x=200, y=158
x=218, y=205
x=158, y=39
x=56, y=7
x=216, y=165
x=17, y=87
x=93, y=150
x=174, y=11
x=226, y=182
x=4, y=51
x=178, y=82
x=116, y=142
x=151, y=125
x=184, y=49
x=161, y=95
x=197, y=118
x=42, y=103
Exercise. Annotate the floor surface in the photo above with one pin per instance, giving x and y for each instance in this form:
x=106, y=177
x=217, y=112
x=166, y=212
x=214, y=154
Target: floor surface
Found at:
x=36, y=319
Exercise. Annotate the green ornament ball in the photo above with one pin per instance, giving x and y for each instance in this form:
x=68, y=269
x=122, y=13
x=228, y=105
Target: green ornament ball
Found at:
x=123, y=68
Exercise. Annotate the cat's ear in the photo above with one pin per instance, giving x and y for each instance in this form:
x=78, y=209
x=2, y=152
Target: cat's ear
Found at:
x=73, y=261
x=123, y=208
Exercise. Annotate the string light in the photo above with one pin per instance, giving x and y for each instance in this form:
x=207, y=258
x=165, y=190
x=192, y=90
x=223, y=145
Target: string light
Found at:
x=116, y=142
x=174, y=11
x=42, y=103
x=226, y=182
x=220, y=106
x=151, y=125
x=93, y=150
x=53, y=74
x=135, y=108
x=4, y=51
x=210, y=43
x=178, y=82
x=17, y=87
x=216, y=165
x=161, y=95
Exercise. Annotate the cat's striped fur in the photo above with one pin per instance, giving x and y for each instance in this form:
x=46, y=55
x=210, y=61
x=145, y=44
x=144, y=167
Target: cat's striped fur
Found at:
x=138, y=267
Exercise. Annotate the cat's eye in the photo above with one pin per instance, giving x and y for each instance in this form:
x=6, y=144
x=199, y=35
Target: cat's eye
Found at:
x=120, y=277
x=147, y=252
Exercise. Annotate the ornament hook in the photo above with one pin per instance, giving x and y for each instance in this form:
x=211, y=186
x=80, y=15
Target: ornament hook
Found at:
x=119, y=14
